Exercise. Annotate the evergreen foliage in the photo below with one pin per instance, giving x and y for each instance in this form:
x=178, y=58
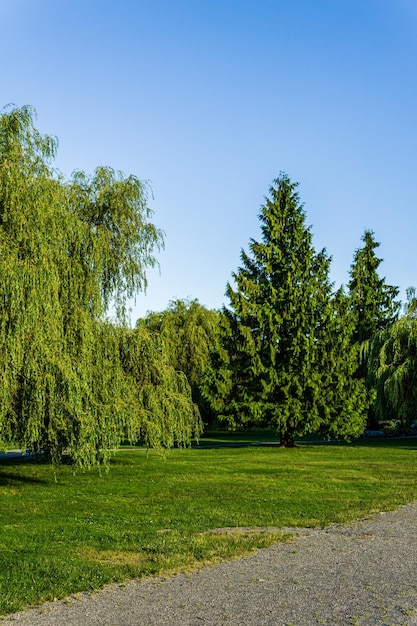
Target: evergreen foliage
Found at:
x=372, y=300
x=285, y=357
x=69, y=249
x=374, y=308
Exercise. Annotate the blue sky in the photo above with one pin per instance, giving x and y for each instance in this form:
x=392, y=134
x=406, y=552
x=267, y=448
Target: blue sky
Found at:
x=210, y=100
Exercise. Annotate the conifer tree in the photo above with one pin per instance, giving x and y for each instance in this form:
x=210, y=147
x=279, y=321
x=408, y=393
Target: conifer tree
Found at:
x=372, y=300
x=374, y=309
x=285, y=358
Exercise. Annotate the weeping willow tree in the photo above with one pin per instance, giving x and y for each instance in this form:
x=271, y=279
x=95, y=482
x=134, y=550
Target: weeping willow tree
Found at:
x=189, y=332
x=69, y=249
x=156, y=388
x=393, y=367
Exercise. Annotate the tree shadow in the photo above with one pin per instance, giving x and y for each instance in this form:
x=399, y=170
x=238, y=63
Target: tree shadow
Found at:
x=405, y=443
x=7, y=479
x=408, y=442
x=390, y=441
x=10, y=474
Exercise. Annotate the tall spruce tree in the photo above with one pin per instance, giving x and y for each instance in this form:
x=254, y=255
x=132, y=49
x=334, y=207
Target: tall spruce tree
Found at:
x=285, y=357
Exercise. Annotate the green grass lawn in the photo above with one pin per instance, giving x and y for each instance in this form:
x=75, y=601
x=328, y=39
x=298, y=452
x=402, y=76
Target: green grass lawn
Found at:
x=62, y=533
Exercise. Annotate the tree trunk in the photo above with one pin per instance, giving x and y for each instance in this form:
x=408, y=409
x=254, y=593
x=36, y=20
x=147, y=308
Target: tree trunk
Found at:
x=287, y=440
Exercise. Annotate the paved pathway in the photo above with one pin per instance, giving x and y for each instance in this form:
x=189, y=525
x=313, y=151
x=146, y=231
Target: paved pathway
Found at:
x=364, y=574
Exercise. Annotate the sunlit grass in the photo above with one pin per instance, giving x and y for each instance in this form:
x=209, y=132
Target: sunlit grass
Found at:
x=62, y=533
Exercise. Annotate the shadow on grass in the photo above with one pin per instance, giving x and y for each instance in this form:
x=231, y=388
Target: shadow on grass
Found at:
x=408, y=443
x=246, y=440
x=203, y=445
x=10, y=470
x=386, y=442
x=7, y=479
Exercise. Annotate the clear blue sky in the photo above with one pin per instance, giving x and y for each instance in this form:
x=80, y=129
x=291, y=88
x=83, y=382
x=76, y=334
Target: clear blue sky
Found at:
x=211, y=100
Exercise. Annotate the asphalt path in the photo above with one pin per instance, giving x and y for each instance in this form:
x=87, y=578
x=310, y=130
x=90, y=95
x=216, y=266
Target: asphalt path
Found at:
x=361, y=574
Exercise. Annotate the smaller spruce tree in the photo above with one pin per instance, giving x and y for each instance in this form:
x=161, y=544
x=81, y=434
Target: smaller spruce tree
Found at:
x=374, y=307
x=373, y=301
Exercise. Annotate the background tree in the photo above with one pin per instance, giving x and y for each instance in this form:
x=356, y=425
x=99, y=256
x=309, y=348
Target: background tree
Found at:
x=374, y=307
x=345, y=399
x=393, y=367
x=373, y=301
x=189, y=332
x=161, y=399
x=68, y=250
x=285, y=357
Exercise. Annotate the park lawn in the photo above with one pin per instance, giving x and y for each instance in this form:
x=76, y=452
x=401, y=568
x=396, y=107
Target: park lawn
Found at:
x=62, y=532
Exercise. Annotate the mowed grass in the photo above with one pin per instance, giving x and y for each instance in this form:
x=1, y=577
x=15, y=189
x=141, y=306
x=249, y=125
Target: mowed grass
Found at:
x=61, y=533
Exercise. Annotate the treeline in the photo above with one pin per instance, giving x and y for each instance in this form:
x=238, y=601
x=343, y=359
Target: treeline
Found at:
x=287, y=351
x=290, y=352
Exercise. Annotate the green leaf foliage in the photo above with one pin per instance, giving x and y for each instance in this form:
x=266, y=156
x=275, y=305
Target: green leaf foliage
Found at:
x=392, y=367
x=189, y=331
x=285, y=357
x=71, y=381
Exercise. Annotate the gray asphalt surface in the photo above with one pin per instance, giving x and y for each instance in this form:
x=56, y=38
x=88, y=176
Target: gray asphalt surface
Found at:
x=363, y=574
